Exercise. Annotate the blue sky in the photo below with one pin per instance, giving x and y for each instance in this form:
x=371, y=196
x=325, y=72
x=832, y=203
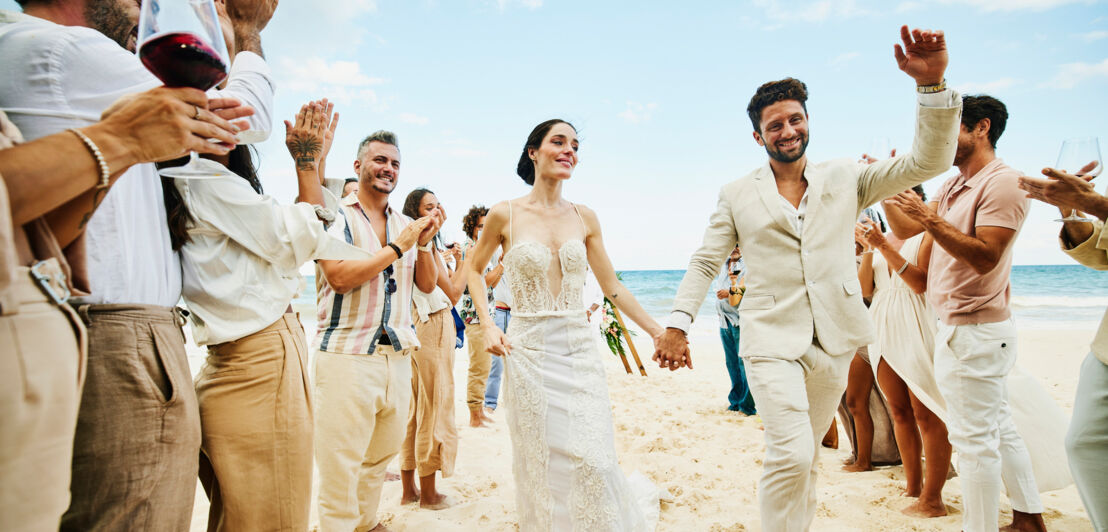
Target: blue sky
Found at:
x=658, y=92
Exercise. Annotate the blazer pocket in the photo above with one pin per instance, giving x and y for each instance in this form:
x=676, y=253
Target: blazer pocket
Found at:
x=756, y=303
x=852, y=287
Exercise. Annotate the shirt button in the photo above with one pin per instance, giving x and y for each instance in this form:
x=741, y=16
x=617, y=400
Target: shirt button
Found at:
x=811, y=283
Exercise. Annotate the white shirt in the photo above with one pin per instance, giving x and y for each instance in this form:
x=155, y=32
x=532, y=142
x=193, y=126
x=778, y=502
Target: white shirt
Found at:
x=427, y=304
x=58, y=77
x=682, y=321
x=241, y=268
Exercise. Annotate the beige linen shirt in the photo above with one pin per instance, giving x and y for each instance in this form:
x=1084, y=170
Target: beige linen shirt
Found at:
x=989, y=198
x=1094, y=254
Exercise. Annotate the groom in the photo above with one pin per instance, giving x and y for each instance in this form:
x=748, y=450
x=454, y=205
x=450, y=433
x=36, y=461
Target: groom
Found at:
x=802, y=315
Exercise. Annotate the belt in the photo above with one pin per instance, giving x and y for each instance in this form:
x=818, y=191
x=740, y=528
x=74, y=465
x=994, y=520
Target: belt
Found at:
x=500, y=307
x=384, y=340
x=50, y=278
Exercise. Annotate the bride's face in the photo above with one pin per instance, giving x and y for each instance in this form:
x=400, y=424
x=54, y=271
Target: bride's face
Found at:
x=557, y=156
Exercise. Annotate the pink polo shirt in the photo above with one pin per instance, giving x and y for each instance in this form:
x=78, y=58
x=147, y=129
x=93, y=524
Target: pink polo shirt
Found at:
x=991, y=198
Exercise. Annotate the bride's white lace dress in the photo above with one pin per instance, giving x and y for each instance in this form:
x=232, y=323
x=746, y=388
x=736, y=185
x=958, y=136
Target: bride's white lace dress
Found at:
x=559, y=416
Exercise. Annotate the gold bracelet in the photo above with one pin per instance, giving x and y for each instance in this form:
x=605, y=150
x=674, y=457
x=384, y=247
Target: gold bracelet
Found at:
x=931, y=89
x=105, y=172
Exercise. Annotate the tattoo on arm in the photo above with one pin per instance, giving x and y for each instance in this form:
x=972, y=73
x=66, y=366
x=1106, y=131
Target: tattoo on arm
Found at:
x=97, y=197
x=305, y=150
x=613, y=296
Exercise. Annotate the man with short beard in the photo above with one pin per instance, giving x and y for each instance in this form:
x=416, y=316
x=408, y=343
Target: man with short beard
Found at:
x=974, y=219
x=802, y=314
x=137, y=443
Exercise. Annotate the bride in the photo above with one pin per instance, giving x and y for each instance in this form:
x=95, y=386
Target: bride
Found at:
x=559, y=417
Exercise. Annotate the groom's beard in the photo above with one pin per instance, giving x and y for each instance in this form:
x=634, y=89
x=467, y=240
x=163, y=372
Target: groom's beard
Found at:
x=783, y=157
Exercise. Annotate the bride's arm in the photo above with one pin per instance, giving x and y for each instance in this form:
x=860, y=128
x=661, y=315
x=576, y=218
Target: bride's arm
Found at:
x=492, y=236
x=606, y=276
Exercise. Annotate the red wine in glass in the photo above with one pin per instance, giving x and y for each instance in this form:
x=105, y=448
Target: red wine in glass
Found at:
x=181, y=59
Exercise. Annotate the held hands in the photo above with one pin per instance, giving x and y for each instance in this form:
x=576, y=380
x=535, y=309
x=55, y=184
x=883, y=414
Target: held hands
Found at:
x=923, y=56
x=162, y=124
x=498, y=343
x=671, y=350
x=408, y=236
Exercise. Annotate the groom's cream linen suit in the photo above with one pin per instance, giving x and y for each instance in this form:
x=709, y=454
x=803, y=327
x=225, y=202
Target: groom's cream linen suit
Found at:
x=803, y=313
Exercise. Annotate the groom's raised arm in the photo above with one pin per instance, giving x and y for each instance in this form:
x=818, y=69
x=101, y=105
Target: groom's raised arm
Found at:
x=719, y=239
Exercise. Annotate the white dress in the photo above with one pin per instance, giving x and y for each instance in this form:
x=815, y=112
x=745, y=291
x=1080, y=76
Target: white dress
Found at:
x=559, y=416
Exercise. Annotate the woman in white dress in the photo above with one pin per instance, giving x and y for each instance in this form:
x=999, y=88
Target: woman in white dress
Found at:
x=559, y=416
x=896, y=279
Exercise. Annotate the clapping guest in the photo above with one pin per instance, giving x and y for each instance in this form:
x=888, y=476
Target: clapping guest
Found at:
x=39, y=330
x=895, y=278
x=431, y=441
x=479, y=359
x=240, y=255
x=1087, y=243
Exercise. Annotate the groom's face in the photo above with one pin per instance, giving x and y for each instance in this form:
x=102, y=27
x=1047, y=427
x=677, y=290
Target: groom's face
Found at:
x=784, y=131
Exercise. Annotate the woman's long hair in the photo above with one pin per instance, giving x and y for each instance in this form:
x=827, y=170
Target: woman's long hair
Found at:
x=241, y=162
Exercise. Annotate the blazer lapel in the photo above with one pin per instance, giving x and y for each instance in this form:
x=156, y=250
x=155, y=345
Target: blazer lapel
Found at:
x=767, y=189
x=816, y=182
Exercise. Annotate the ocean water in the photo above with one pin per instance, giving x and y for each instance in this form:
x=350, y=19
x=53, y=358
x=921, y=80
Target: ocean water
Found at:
x=1067, y=296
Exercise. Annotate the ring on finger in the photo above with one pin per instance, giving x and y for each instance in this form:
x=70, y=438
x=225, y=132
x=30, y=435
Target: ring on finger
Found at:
x=197, y=115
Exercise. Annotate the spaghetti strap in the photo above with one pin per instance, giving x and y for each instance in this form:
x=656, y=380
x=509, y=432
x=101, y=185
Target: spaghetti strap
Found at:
x=510, y=239
x=578, y=211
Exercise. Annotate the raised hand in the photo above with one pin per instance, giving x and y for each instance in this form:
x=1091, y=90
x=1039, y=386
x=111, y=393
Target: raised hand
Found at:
x=249, y=17
x=332, y=122
x=304, y=139
x=923, y=55
x=869, y=159
x=1065, y=191
x=671, y=350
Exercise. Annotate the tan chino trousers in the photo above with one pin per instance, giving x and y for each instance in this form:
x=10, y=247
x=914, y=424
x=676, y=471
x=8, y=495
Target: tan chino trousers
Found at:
x=431, y=441
x=256, y=419
x=41, y=369
x=361, y=410
x=480, y=361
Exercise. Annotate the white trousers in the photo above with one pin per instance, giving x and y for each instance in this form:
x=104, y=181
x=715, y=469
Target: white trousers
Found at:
x=797, y=401
x=971, y=366
x=361, y=414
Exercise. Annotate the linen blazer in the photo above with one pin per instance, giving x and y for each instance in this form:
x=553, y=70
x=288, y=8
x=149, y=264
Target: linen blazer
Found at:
x=801, y=287
x=1094, y=254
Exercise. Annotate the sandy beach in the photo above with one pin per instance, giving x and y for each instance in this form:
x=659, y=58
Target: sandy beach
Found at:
x=674, y=428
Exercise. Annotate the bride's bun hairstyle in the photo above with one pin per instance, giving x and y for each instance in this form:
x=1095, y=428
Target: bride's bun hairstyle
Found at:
x=526, y=167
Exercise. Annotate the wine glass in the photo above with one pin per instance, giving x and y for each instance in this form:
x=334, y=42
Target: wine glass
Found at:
x=1075, y=158
x=865, y=218
x=879, y=148
x=181, y=42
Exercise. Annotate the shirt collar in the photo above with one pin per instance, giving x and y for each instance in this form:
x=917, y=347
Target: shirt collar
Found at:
x=353, y=199
x=984, y=171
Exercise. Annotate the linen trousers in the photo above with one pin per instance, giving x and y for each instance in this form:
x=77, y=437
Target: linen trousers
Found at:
x=797, y=401
x=361, y=412
x=136, y=449
x=42, y=364
x=256, y=417
x=479, y=363
x=431, y=440
x=1087, y=440
x=971, y=366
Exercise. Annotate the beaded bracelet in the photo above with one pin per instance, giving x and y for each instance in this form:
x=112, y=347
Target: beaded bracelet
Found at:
x=932, y=89
x=105, y=172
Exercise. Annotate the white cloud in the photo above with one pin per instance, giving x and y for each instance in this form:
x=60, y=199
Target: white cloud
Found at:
x=1016, y=5
x=344, y=9
x=412, y=118
x=637, y=113
x=341, y=81
x=529, y=4
x=995, y=85
x=1071, y=75
x=841, y=60
x=1093, y=36
x=818, y=11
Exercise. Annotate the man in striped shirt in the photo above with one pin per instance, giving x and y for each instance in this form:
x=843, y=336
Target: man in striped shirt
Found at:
x=363, y=373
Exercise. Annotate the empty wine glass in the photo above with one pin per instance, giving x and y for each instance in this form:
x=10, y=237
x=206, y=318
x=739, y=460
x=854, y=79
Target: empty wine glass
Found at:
x=181, y=42
x=879, y=148
x=1080, y=157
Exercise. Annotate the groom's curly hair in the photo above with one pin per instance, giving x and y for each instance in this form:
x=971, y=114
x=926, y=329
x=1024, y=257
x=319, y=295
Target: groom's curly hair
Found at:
x=772, y=92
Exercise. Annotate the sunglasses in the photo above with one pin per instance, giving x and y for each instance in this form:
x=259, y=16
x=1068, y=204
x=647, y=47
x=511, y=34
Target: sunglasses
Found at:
x=390, y=283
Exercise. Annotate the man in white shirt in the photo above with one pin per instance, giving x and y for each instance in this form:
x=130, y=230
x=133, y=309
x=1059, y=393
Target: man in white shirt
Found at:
x=802, y=312
x=138, y=433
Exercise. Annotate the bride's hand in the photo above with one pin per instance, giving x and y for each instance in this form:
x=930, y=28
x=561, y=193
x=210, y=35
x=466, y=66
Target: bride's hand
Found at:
x=498, y=343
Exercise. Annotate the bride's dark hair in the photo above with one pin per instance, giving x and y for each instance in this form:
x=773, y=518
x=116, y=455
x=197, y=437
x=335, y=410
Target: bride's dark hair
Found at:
x=526, y=167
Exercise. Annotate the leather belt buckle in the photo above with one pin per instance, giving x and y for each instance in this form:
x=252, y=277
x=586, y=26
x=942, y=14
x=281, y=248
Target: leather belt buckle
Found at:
x=51, y=281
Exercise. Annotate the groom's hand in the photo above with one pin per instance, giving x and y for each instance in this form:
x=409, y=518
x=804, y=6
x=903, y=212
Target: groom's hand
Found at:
x=671, y=350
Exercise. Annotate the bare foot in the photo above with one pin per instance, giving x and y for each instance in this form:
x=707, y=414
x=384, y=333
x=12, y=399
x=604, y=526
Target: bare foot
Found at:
x=485, y=417
x=857, y=467
x=924, y=510
x=476, y=419
x=380, y=528
x=849, y=460
x=439, y=503
x=409, y=498
x=1025, y=522
x=391, y=477
x=489, y=412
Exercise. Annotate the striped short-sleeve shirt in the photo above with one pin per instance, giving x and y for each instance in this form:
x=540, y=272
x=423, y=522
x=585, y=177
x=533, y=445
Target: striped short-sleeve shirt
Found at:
x=354, y=322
